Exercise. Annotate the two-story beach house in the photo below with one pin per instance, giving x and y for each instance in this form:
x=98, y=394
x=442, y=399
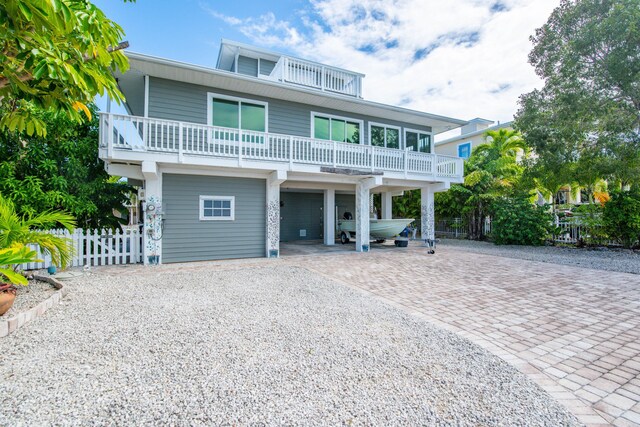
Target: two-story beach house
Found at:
x=264, y=148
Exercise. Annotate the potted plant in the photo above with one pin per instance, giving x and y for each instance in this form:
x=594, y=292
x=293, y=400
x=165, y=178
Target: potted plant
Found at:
x=10, y=259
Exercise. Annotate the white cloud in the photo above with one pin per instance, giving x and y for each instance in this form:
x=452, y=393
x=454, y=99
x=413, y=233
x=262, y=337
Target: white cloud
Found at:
x=463, y=59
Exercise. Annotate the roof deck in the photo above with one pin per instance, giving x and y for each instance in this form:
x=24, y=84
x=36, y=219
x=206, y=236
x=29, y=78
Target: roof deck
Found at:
x=263, y=64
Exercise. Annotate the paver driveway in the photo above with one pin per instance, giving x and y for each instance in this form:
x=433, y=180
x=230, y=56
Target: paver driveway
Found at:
x=575, y=331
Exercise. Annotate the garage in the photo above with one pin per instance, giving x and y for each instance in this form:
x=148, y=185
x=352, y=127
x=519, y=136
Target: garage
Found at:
x=302, y=214
x=212, y=217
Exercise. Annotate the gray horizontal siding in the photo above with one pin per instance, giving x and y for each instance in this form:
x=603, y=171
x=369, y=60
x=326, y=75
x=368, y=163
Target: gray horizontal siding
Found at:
x=266, y=67
x=301, y=211
x=247, y=66
x=186, y=238
x=346, y=203
x=187, y=102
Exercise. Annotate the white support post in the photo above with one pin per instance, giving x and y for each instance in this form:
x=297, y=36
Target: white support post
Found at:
x=110, y=136
x=180, y=143
x=273, y=212
x=406, y=162
x=146, y=95
x=290, y=152
x=329, y=217
x=362, y=211
x=153, y=226
x=387, y=205
x=373, y=157
x=427, y=221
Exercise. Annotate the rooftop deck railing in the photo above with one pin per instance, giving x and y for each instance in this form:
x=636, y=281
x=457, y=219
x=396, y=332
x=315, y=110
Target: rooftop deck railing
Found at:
x=121, y=132
x=318, y=76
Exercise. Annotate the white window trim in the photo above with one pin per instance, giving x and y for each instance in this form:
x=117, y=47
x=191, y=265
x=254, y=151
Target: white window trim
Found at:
x=469, y=143
x=418, y=131
x=218, y=218
x=385, y=126
x=212, y=95
x=332, y=116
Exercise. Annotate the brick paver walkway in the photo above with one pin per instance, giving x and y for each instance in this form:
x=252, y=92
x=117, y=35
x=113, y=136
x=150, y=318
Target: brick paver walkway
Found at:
x=575, y=331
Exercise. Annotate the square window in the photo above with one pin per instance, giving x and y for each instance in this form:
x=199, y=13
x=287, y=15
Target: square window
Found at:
x=464, y=150
x=208, y=204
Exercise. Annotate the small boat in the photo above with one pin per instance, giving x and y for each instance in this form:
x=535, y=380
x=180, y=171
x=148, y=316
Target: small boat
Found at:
x=379, y=229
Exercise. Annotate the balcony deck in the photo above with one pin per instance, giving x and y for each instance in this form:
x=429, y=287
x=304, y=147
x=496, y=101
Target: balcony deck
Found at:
x=139, y=134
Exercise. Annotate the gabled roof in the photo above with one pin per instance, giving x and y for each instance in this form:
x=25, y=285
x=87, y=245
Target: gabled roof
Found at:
x=141, y=64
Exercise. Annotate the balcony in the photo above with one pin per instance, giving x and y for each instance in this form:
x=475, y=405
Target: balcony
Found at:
x=317, y=76
x=138, y=134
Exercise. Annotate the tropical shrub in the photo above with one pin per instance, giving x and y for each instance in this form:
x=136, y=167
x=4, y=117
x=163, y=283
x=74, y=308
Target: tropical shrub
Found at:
x=516, y=221
x=589, y=218
x=621, y=217
x=16, y=231
x=11, y=257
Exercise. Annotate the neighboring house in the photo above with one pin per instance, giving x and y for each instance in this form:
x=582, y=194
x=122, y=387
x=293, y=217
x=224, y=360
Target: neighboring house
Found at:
x=264, y=148
x=474, y=133
x=471, y=135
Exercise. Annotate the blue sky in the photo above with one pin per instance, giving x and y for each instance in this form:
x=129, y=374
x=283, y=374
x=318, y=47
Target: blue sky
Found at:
x=460, y=58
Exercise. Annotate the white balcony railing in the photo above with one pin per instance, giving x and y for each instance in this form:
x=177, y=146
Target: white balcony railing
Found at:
x=119, y=132
x=318, y=76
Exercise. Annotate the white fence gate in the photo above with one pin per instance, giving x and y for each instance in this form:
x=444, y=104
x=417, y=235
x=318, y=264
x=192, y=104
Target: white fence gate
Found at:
x=96, y=247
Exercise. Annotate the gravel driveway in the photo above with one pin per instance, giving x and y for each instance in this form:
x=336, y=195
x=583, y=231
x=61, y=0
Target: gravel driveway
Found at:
x=253, y=345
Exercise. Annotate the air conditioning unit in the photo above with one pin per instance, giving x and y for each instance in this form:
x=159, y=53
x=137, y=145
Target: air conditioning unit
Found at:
x=141, y=194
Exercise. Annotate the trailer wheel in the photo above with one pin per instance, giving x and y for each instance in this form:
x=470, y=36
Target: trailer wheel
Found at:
x=380, y=240
x=344, y=239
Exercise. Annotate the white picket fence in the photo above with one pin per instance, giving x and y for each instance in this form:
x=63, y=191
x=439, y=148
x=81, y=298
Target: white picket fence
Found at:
x=96, y=247
x=573, y=233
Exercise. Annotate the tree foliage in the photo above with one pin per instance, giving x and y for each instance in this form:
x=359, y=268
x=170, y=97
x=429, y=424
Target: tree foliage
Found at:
x=17, y=230
x=584, y=124
x=55, y=55
x=621, y=217
x=60, y=171
x=492, y=171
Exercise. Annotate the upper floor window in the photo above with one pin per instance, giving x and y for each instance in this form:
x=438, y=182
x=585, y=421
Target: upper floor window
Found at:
x=334, y=128
x=384, y=135
x=418, y=140
x=464, y=150
x=238, y=113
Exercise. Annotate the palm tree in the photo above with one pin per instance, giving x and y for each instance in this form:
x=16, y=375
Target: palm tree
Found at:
x=492, y=171
x=16, y=230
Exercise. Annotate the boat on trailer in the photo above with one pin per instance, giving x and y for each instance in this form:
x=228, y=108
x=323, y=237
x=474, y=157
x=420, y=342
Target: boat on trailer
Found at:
x=379, y=229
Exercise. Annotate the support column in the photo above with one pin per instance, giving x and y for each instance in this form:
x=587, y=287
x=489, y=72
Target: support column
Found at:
x=273, y=213
x=427, y=223
x=362, y=211
x=153, y=215
x=362, y=217
x=329, y=217
x=387, y=205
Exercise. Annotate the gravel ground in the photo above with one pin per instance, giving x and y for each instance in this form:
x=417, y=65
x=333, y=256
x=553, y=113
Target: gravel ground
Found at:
x=29, y=296
x=622, y=260
x=262, y=346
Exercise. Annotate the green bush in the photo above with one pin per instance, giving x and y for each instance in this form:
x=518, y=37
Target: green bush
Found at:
x=621, y=217
x=589, y=218
x=516, y=221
